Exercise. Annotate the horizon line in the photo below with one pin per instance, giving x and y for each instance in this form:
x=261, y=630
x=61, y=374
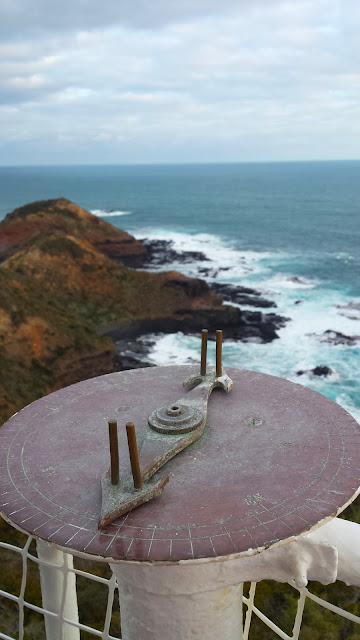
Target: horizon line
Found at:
x=180, y=163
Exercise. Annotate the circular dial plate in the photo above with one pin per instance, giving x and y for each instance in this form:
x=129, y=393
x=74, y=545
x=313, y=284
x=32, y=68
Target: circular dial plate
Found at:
x=275, y=459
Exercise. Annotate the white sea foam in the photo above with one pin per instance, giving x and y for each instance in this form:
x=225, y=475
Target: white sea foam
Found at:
x=174, y=348
x=311, y=305
x=282, y=358
x=109, y=214
x=345, y=401
x=350, y=310
x=290, y=281
x=223, y=261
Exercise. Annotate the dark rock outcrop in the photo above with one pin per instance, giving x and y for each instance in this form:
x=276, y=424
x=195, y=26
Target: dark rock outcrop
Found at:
x=241, y=295
x=350, y=310
x=162, y=252
x=133, y=353
x=248, y=326
x=336, y=337
x=321, y=370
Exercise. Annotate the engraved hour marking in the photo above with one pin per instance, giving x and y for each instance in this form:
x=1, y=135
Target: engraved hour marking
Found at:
x=255, y=499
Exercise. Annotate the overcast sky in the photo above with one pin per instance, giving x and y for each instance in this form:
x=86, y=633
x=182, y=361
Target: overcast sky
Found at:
x=124, y=81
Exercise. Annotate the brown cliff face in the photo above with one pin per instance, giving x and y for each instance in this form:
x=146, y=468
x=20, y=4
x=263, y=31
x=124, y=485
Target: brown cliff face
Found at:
x=65, y=217
x=58, y=287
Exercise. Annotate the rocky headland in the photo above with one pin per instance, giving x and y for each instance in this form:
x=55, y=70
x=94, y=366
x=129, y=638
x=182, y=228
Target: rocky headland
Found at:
x=71, y=286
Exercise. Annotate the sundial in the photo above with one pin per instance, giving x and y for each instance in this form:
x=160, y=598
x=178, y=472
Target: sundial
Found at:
x=272, y=460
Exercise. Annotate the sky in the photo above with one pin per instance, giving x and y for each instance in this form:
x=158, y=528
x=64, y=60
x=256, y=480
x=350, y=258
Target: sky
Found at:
x=159, y=81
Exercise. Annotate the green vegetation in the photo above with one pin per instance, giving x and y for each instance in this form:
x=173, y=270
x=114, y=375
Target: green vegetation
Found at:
x=279, y=601
x=38, y=208
x=60, y=245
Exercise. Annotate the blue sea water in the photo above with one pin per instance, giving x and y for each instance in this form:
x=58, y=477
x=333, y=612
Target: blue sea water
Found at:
x=291, y=230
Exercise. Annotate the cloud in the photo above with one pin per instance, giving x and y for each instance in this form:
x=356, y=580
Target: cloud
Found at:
x=21, y=16
x=126, y=81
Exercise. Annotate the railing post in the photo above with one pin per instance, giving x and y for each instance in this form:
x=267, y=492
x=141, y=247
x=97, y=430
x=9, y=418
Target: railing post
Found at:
x=58, y=588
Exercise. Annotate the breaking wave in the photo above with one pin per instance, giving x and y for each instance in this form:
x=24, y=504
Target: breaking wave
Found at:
x=313, y=306
x=109, y=214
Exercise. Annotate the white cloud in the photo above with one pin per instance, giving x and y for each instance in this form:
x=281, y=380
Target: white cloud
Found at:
x=38, y=15
x=27, y=82
x=234, y=79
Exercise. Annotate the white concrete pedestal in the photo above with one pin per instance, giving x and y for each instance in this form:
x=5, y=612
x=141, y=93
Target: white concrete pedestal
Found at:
x=198, y=599
x=175, y=606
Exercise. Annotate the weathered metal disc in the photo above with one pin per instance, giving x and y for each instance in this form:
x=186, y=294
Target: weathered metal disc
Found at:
x=275, y=459
x=177, y=418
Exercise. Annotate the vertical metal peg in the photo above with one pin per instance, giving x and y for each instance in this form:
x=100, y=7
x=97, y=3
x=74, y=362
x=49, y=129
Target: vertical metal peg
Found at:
x=204, y=337
x=218, y=354
x=134, y=455
x=114, y=452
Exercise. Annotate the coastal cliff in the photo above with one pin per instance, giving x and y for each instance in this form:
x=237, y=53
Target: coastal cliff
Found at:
x=69, y=287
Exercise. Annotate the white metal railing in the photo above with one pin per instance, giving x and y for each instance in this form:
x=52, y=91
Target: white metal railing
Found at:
x=64, y=622
x=304, y=593
x=66, y=567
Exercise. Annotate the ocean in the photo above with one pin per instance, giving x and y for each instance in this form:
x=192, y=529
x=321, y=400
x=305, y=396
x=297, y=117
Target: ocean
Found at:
x=289, y=230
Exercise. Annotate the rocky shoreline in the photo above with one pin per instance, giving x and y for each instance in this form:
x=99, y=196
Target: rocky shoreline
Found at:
x=160, y=253
x=247, y=326
x=133, y=344
x=133, y=354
